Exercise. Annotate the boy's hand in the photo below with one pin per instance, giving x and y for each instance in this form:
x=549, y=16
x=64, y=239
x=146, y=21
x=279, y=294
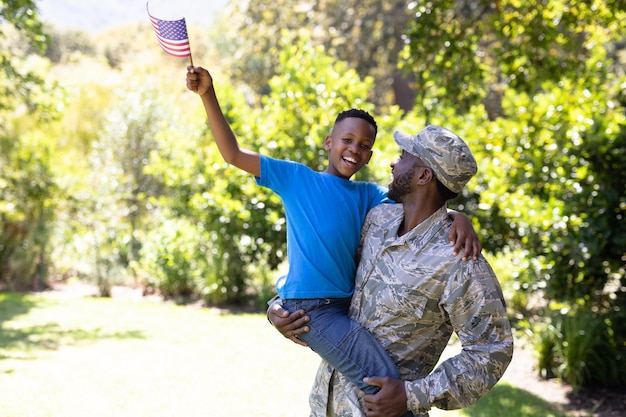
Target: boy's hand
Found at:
x=199, y=80
x=289, y=325
x=463, y=236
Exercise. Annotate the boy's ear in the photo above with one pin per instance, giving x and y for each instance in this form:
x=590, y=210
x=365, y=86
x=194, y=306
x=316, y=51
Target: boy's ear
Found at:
x=327, y=141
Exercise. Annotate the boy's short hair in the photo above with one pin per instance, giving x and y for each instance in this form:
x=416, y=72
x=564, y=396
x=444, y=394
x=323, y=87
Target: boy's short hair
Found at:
x=361, y=114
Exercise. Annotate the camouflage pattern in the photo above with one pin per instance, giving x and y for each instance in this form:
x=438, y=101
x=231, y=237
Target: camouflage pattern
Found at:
x=412, y=293
x=442, y=151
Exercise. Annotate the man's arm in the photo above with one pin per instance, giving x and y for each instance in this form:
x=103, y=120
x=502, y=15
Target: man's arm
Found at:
x=199, y=80
x=477, y=312
x=476, y=309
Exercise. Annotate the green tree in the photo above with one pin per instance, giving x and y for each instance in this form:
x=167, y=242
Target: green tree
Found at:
x=27, y=188
x=120, y=103
x=462, y=53
x=121, y=185
x=366, y=35
x=19, y=19
x=536, y=88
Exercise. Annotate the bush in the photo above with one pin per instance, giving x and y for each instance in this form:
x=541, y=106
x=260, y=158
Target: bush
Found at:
x=173, y=259
x=26, y=216
x=580, y=346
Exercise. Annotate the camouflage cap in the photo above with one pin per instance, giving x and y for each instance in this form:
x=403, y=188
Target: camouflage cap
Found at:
x=444, y=152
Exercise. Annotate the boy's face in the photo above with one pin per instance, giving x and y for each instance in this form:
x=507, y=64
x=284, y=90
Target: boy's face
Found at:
x=349, y=146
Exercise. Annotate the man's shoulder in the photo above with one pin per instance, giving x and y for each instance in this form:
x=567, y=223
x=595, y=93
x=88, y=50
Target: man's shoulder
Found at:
x=387, y=209
x=382, y=213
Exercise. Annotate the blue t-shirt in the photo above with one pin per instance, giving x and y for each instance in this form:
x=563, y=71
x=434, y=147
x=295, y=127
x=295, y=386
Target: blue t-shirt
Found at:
x=324, y=218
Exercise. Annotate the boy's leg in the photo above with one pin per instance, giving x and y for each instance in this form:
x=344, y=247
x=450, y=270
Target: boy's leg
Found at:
x=343, y=343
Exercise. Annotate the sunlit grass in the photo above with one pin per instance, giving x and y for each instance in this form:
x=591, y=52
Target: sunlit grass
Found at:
x=89, y=357
x=101, y=357
x=506, y=400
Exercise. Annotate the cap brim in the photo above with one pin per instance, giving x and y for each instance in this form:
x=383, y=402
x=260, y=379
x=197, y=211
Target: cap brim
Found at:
x=405, y=141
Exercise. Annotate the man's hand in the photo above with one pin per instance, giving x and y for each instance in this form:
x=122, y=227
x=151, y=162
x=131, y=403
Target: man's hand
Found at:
x=462, y=235
x=198, y=80
x=390, y=401
x=289, y=325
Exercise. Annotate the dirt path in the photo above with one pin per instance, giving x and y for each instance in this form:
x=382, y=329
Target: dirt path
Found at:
x=522, y=372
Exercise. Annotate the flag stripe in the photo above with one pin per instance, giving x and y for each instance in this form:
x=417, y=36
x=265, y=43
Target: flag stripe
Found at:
x=171, y=35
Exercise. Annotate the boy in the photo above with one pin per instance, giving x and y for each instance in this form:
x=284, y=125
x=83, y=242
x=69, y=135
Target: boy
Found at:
x=325, y=212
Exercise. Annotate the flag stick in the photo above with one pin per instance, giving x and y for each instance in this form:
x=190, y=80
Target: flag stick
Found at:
x=188, y=43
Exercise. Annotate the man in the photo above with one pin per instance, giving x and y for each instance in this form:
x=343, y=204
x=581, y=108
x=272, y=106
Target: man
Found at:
x=412, y=292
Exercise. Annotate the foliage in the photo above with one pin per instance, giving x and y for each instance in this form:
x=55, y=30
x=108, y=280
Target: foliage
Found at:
x=547, y=125
x=366, y=35
x=108, y=204
x=583, y=347
x=26, y=212
x=174, y=260
x=67, y=46
x=19, y=26
x=568, y=199
x=508, y=44
x=27, y=189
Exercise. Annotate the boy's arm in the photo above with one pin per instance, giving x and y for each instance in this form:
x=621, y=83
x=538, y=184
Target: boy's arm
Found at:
x=199, y=81
x=462, y=235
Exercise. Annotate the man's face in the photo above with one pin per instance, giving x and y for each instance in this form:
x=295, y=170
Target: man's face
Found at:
x=403, y=171
x=349, y=146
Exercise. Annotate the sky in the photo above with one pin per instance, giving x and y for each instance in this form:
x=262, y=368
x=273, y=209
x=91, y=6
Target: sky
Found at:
x=98, y=15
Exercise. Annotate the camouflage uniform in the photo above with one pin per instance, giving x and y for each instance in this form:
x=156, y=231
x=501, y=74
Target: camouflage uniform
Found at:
x=412, y=293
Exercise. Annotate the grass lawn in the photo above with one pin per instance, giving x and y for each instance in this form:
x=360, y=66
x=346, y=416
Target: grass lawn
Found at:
x=90, y=357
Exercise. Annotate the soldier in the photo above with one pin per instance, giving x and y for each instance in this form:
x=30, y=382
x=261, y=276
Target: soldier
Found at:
x=412, y=292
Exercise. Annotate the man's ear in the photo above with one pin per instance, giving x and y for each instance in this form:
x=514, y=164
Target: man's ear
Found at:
x=427, y=175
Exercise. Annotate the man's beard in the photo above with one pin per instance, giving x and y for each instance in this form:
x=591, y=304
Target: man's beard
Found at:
x=400, y=186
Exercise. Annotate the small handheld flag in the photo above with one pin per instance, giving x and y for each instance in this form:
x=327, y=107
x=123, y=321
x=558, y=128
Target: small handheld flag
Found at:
x=172, y=36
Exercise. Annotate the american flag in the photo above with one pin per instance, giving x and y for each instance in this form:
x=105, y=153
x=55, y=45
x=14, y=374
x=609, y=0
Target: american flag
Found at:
x=172, y=35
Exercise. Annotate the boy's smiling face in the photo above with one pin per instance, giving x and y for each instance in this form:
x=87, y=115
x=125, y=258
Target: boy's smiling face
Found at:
x=349, y=146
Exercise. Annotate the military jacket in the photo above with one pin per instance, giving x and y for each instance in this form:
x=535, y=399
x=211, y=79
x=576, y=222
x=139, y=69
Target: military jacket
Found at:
x=412, y=293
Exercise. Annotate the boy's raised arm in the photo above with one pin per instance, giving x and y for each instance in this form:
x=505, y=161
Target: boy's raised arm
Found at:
x=199, y=81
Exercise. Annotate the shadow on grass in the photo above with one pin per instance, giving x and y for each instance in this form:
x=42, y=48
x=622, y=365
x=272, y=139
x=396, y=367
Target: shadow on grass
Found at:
x=23, y=342
x=507, y=400
x=15, y=304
